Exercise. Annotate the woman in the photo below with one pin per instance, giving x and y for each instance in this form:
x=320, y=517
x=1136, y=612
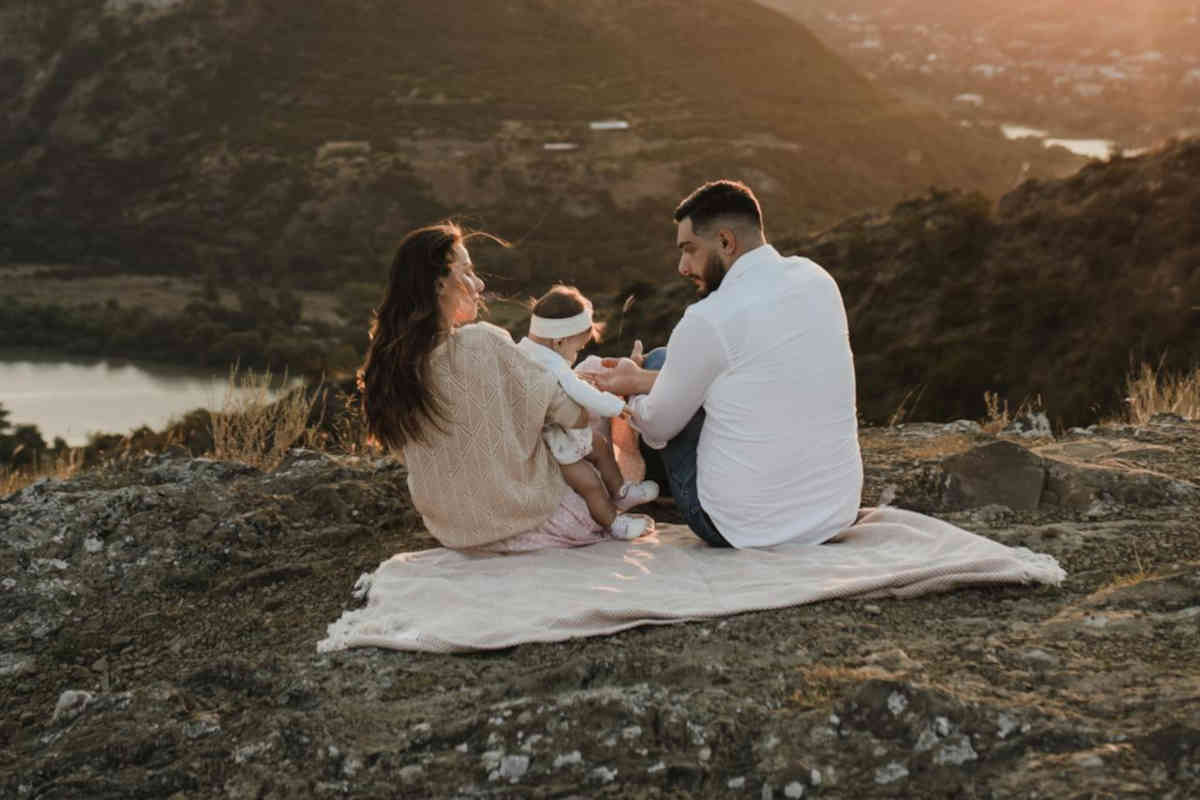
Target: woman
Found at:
x=467, y=408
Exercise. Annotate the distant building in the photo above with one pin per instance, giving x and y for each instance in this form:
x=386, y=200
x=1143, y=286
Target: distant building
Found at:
x=609, y=125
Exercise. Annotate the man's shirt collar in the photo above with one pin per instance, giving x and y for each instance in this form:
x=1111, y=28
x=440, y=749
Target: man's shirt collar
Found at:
x=763, y=254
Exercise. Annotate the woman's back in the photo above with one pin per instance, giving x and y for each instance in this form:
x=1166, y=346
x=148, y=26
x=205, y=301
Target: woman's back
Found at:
x=483, y=472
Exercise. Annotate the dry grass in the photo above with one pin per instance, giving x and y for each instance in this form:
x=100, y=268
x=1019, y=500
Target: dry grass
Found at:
x=52, y=466
x=1149, y=391
x=906, y=406
x=256, y=429
x=998, y=415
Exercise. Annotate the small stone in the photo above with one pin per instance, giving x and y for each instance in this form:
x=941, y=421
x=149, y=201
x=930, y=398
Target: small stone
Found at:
x=890, y=772
x=736, y=783
x=411, y=774
x=871, y=608
x=815, y=777
x=573, y=757
x=657, y=767
x=463, y=748
x=1038, y=656
x=603, y=775
x=896, y=703
x=491, y=759
x=705, y=754
x=632, y=732
x=514, y=767
x=955, y=752
x=794, y=790
x=71, y=704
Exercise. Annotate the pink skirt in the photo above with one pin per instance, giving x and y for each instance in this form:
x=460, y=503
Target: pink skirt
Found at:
x=571, y=525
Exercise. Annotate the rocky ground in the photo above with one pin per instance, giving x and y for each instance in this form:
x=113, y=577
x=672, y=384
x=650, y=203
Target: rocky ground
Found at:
x=159, y=621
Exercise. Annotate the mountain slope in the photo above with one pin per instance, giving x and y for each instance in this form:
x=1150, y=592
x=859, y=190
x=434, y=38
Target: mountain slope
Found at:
x=302, y=139
x=1056, y=292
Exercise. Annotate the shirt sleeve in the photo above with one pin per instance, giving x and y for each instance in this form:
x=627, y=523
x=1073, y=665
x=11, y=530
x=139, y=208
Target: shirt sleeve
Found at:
x=695, y=357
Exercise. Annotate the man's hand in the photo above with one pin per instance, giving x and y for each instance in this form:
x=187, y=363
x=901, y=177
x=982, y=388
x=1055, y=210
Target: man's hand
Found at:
x=637, y=356
x=623, y=377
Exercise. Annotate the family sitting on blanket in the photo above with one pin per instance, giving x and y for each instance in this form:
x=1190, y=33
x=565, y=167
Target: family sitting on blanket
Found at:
x=747, y=415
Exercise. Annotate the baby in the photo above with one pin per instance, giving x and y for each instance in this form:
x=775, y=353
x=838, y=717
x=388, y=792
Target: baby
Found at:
x=560, y=327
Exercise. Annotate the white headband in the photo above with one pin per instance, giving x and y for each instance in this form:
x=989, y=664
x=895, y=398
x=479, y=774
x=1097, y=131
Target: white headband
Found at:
x=547, y=328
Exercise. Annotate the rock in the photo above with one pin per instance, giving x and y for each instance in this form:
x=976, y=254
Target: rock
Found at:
x=1081, y=487
x=411, y=774
x=999, y=473
x=71, y=704
x=1034, y=425
x=514, y=767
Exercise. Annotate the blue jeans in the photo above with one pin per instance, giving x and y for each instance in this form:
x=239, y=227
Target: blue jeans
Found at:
x=675, y=466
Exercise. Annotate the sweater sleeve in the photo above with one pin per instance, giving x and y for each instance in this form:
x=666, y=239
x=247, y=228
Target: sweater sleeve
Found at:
x=563, y=410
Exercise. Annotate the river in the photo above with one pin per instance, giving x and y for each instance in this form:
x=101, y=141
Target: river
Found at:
x=74, y=397
x=1102, y=149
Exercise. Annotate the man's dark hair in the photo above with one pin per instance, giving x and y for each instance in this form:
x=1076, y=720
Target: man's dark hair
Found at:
x=717, y=199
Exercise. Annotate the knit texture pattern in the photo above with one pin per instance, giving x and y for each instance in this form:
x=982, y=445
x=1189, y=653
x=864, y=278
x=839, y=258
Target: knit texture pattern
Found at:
x=484, y=473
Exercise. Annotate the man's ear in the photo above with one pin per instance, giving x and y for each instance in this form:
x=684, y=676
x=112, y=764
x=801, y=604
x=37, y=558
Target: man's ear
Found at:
x=727, y=241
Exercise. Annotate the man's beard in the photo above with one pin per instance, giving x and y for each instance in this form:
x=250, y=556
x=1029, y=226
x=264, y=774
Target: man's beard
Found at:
x=713, y=274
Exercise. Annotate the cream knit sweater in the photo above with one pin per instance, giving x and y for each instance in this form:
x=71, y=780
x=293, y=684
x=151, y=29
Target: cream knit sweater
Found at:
x=487, y=475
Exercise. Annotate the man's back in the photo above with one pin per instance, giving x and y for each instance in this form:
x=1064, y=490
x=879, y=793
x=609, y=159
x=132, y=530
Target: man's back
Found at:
x=778, y=458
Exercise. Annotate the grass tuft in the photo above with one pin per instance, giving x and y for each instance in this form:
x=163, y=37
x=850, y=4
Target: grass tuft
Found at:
x=1150, y=390
x=256, y=429
x=58, y=466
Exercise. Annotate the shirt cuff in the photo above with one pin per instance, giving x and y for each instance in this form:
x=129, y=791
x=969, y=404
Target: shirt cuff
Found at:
x=637, y=404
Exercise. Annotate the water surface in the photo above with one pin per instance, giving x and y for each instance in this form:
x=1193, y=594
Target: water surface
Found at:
x=74, y=397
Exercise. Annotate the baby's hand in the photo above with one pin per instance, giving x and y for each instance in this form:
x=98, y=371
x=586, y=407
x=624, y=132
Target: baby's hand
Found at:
x=626, y=412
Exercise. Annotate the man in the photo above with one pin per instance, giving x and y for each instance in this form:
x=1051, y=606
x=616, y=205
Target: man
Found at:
x=751, y=405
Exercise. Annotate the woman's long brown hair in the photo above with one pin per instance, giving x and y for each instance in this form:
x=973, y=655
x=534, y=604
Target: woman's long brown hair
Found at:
x=397, y=399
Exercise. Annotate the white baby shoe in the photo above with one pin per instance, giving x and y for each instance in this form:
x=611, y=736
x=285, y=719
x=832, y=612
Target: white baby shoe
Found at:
x=635, y=494
x=631, y=526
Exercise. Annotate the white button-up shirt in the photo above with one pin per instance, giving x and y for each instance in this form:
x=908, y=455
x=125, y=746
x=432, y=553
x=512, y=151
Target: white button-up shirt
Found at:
x=768, y=357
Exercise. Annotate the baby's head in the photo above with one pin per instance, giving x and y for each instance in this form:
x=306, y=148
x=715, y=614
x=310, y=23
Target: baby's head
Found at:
x=562, y=321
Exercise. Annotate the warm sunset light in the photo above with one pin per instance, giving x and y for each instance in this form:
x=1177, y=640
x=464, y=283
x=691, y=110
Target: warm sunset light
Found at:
x=642, y=399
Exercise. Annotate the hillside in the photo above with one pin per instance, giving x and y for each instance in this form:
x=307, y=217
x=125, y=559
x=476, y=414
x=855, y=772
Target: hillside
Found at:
x=1055, y=291
x=299, y=140
x=162, y=615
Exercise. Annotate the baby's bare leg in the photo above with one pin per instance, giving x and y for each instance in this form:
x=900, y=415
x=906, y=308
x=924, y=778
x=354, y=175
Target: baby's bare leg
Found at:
x=581, y=477
x=603, y=458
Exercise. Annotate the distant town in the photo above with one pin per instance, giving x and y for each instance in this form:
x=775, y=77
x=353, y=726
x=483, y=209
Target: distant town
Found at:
x=1122, y=76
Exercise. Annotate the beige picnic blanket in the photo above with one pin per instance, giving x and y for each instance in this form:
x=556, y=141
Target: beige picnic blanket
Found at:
x=449, y=601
